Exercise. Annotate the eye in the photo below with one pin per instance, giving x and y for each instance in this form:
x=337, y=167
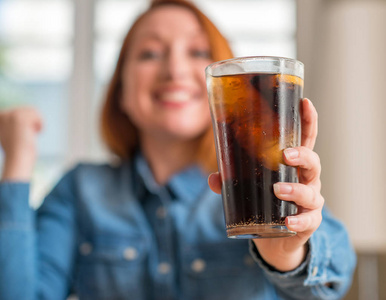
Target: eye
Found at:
x=149, y=54
x=199, y=53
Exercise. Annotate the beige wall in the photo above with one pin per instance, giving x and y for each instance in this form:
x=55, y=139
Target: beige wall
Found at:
x=343, y=46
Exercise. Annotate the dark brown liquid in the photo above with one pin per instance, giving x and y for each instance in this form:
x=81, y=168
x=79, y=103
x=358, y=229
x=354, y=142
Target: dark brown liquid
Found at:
x=256, y=119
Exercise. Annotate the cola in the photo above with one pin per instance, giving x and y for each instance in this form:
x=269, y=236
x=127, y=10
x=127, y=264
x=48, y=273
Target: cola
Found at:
x=255, y=117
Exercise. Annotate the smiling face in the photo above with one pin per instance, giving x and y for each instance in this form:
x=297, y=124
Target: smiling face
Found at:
x=164, y=89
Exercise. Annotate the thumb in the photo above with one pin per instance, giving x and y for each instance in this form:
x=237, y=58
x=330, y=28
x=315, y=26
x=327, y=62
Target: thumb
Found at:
x=214, y=181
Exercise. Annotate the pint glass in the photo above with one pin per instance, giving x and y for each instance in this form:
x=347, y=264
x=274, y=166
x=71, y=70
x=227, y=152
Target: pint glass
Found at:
x=255, y=109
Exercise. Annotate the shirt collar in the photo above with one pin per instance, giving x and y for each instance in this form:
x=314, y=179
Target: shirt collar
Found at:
x=186, y=185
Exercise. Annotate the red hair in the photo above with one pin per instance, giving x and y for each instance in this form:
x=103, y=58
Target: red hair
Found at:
x=118, y=132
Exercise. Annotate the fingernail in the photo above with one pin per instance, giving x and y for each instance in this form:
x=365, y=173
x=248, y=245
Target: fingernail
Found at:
x=292, y=220
x=291, y=153
x=308, y=101
x=281, y=188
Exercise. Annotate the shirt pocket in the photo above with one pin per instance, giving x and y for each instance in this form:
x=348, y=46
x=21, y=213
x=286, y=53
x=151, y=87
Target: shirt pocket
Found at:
x=222, y=271
x=111, y=267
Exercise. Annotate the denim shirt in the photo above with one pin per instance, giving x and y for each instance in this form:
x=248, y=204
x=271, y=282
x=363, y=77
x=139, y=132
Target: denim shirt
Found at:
x=110, y=233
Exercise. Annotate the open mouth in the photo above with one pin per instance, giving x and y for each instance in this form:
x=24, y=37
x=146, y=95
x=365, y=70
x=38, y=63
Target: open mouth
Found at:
x=179, y=96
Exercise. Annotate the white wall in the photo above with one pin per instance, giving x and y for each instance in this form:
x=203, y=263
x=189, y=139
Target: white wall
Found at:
x=343, y=46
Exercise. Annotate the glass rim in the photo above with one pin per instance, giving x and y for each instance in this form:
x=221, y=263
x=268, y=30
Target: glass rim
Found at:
x=243, y=59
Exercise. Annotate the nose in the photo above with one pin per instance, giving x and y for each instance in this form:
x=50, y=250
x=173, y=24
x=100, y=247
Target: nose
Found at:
x=177, y=64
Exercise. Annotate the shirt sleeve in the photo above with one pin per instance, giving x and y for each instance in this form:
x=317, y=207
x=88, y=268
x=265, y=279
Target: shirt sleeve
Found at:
x=327, y=271
x=36, y=247
x=16, y=234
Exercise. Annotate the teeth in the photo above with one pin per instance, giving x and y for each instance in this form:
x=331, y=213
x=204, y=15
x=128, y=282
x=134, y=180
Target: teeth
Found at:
x=179, y=96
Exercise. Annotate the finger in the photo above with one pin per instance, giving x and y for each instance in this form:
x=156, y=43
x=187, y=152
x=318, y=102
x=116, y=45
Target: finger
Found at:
x=307, y=160
x=303, y=195
x=27, y=116
x=304, y=222
x=37, y=120
x=309, y=119
x=214, y=181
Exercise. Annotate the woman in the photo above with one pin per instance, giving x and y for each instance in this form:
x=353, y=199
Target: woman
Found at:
x=150, y=228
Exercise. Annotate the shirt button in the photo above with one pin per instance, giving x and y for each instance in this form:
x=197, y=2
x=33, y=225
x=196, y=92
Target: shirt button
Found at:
x=164, y=268
x=314, y=271
x=161, y=212
x=198, y=265
x=130, y=253
x=85, y=248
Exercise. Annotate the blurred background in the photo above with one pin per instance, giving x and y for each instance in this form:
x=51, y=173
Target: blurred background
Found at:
x=58, y=55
